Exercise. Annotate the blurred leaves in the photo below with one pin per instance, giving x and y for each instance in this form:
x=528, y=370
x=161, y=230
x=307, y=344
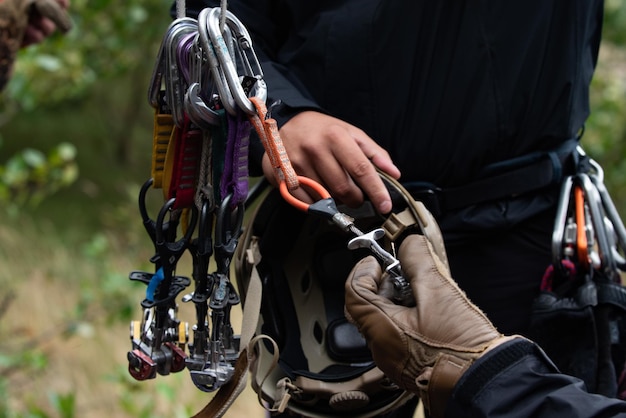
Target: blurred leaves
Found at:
x=30, y=176
x=108, y=39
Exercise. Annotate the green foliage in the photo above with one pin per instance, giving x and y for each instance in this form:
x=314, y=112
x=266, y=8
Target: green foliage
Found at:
x=99, y=71
x=109, y=38
x=614, y=21
x=30, y=176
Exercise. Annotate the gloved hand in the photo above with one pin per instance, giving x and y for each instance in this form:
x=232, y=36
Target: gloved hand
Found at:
x=425, y=348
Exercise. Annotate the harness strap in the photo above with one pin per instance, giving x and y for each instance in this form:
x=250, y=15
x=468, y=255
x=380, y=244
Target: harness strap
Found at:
x=612, y=293
x=507, y=178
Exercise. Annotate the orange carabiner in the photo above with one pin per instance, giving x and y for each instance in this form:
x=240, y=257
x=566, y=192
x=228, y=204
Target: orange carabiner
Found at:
x=581, y=230
x=297, y=203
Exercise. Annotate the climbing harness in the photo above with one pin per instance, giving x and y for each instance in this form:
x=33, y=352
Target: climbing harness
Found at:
x=208, y=93
x=579, y=318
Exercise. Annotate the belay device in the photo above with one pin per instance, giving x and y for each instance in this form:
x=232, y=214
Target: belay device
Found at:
x=208, y=93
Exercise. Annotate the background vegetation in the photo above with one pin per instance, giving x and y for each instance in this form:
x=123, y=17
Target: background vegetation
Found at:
x=75, y=144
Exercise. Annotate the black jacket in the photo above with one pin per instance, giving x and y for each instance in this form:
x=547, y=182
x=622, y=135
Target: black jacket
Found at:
x=447, y=87
x=518, y=380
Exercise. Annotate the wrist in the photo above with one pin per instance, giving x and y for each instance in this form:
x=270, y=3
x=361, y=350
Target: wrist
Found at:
x=438, y=383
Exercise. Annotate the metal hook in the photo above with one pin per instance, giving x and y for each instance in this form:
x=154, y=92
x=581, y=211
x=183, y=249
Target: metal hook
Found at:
x=592, y=196
x=174, y=79
x=229, y=68
x=217, y=73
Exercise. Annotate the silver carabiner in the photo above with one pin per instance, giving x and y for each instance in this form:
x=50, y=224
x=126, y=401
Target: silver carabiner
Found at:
x=219, y=78
x=246, y=55
x=174, y=80
x=561, y=221
x=592, y=196
x=160, y=67
x=199, y=112
x=614, y=224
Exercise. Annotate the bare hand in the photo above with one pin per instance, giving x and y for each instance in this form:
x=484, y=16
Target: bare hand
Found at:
x=338, y=155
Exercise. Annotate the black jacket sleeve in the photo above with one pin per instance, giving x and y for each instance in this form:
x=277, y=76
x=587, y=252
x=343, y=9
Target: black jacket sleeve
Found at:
x=518, y=380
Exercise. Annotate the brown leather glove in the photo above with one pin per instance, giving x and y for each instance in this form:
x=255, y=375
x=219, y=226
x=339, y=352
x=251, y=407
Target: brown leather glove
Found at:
x=425, y=348
x=14, y=18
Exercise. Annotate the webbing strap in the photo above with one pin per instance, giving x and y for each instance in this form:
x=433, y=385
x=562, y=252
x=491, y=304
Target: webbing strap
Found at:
x=219, y=135
x=162, y=131
x=612, y=294
x=267, y=129
x=235, y=176
x=254, y=294
x=511, y=177
x=518, y=181
x=181, y=165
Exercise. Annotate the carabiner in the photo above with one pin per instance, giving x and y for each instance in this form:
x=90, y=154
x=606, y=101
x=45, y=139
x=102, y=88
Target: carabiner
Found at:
x=217, y=72
x=149, y=224
x=174, y=80
x=618, y=241
x=607, y=262
x=228, y=228
x=171, y=251
x=229, y=68
x=199, y=112
x=558, y=234
x=160, y=67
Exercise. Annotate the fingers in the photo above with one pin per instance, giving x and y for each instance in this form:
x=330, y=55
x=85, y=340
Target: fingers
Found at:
x=340, y=156
x=38, y=29
x=354, y=161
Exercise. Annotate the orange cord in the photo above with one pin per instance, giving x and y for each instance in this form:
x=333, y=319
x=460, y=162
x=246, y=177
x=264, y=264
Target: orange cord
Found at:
x=310, y=183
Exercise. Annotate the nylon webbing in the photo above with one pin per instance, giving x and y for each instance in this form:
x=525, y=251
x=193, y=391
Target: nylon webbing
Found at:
x=267, y=130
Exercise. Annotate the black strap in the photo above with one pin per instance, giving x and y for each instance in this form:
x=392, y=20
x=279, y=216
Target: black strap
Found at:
x=503, y=179
x=612, y=294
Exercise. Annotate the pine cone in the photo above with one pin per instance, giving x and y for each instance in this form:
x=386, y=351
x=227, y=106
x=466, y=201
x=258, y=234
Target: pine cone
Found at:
x=14, y=17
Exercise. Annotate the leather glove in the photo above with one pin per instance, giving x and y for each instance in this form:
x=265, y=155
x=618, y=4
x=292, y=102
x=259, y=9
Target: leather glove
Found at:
x=425, y=348
x=14, y=18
